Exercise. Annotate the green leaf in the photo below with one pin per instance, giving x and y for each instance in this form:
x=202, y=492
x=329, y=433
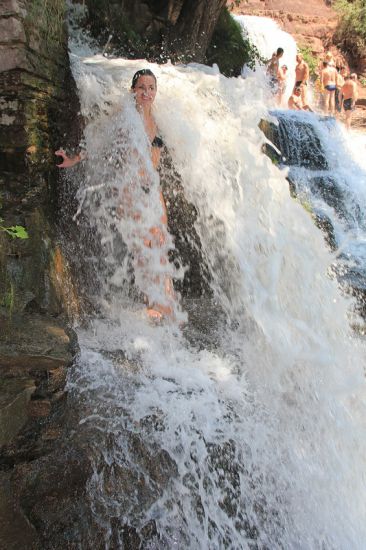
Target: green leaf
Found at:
x=16, y=231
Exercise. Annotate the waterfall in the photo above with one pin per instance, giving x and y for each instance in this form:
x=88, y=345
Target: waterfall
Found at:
x=246, y=429
x=265, y=34
x=327, y=178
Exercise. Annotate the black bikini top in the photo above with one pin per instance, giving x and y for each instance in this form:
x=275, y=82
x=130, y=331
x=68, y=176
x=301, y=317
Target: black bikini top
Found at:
x=157, y=142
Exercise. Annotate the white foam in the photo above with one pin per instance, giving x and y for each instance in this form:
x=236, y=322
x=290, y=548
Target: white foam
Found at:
x=266, y=35
x=283, y=393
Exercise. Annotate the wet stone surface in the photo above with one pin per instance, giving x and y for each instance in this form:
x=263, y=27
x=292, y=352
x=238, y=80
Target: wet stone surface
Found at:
x=14, y=398
x=35, y=353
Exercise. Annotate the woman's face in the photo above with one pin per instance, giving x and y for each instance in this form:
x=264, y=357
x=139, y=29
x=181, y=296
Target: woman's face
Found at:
x=145, y=91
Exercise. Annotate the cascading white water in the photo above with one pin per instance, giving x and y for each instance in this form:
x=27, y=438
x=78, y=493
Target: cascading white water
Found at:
x=327, y=178
x=265, y=34
x=264, y=428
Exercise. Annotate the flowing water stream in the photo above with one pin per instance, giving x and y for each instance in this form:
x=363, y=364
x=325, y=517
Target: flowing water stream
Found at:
x=265, y=34
x=319, y=153
x=246, y=428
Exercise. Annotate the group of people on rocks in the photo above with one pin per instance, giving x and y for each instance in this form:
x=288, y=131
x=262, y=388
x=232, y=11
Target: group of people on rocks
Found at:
x=338, y=90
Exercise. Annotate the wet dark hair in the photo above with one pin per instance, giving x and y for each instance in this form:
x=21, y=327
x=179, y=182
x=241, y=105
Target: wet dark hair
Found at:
x=142, y=72
x=279, y=51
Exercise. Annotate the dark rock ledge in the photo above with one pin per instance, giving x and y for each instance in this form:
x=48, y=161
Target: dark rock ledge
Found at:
x=35, y=354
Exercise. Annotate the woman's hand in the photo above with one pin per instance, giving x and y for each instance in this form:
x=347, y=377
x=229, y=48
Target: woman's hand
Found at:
x=67, y=162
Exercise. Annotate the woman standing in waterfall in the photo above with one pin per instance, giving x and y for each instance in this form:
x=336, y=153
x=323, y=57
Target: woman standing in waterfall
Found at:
x=144, y=88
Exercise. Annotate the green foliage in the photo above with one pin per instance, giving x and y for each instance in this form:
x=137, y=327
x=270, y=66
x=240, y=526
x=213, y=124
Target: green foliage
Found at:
x=228, y=49
x=8, y=299
x=310, y=59
x=306, y=205
x=234, y=4
x=351, y=31
x=353, y=16
x=15, y=231
x=48, y=16
x=106, y=18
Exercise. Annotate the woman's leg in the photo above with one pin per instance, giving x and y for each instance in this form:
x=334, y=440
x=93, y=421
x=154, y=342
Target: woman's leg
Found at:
x=158, y=239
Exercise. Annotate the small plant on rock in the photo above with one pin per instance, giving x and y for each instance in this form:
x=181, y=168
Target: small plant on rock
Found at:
x=15, y=231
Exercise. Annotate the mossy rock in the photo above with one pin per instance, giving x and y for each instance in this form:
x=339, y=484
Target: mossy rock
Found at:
x=228, y=48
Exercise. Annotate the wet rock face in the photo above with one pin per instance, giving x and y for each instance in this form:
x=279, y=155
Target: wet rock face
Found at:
x=35, y=354
x=56, y=488
x=298, y=146
x=182, y=216
x=37, y=106
x=159, y=29
x=297, y=142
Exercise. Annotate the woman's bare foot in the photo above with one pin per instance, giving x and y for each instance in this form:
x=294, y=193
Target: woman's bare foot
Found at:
x=158, y=312
x=154, y=314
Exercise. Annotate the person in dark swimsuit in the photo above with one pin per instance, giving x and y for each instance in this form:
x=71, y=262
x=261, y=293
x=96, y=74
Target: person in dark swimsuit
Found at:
x=328, y=77
x=348, y=104
x=144, y=88
x=302, y=77
x=349, y=96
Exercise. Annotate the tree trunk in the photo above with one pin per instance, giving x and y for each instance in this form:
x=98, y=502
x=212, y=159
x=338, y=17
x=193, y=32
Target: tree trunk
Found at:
x=176, y=29
x=191, y=34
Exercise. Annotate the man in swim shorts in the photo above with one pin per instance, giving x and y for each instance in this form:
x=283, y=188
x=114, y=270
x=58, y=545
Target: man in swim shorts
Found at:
x=328, y=78
x=295, y=102
x=350, y=93
x=302, y=77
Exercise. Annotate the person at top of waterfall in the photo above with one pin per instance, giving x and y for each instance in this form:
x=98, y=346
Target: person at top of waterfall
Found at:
x=295, y=102
x=302, y=77
x=272, y=69
x=144, y=88
x=341, y=73
x=349, y=93
x=328, y=78
x=329, y=58
x=282, y=77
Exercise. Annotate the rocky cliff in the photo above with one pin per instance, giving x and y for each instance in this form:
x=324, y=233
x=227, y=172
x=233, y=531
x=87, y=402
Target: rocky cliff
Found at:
x=313, y=24
x=37, y=106
x=37, y=103
x=157, y=29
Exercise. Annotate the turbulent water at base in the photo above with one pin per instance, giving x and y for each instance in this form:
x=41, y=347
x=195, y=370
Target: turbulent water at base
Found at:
x=246, y=429
x=326, y=168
